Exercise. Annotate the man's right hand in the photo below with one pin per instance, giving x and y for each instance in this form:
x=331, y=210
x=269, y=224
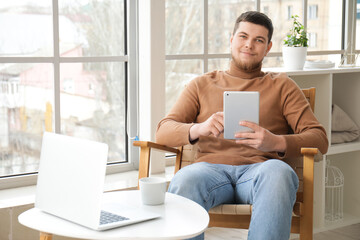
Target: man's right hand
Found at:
x=214, y=125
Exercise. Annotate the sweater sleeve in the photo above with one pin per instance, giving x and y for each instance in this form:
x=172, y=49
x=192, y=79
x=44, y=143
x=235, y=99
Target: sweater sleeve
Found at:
x=308, y=132
x=173, y=130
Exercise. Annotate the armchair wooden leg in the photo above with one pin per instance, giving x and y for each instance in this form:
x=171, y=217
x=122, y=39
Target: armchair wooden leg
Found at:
x=145, y=162
x=45, y=236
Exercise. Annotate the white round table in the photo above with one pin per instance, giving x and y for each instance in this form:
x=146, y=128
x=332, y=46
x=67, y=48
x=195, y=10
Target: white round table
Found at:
x=180, y=218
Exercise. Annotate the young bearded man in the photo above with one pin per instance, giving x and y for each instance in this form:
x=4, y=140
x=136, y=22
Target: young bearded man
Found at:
x=250, y=170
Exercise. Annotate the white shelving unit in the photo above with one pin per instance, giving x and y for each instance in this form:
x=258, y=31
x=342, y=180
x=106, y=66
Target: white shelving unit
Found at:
x=342, y=87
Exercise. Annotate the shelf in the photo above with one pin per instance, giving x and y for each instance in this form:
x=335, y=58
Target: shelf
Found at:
x=339, y=86
x=314, y=71
x=344, y=147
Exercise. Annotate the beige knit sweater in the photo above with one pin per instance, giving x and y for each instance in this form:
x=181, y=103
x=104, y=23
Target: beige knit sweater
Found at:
x=282, y=105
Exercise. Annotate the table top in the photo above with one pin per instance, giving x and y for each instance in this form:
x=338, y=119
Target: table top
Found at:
x=180, y=218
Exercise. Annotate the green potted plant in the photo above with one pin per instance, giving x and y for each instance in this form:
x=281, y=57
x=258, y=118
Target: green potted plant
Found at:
x=295, y=46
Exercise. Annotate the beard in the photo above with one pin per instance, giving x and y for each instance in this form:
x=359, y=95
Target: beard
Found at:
x=247, y=67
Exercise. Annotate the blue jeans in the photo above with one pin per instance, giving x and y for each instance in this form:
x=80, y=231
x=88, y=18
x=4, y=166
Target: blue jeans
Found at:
x=269, y=186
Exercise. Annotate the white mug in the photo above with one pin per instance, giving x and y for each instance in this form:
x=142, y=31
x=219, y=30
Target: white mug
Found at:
x=152, y=190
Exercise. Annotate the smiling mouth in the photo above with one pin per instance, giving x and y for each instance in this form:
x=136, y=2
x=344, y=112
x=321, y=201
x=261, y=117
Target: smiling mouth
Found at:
x=248, y=53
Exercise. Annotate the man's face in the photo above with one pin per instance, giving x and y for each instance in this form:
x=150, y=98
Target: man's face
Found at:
x=249, y=45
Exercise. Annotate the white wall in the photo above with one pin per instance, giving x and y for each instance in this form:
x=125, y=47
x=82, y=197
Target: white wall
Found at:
x=151, y=73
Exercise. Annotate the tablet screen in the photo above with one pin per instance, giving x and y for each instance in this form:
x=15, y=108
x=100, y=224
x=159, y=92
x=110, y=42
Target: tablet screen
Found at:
x=239, y=106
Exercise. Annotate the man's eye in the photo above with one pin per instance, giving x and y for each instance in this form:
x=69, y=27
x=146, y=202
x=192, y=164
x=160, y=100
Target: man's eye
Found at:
x=260, y=40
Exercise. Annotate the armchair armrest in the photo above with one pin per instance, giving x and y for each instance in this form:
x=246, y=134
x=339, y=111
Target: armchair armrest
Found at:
x=148, y=144
x=309, y=151
x=145, y=150
x=308, y=168
x=308, y=192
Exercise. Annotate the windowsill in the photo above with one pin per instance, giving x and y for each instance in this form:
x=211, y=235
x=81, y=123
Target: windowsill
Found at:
x=26, y=195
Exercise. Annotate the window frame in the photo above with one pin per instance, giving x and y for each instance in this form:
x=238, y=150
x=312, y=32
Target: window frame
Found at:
x=131, y=92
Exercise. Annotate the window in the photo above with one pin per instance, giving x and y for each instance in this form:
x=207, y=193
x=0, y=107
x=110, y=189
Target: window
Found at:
x=68, y=85
x=64, y=68
x=325, y=19
x=200, y=42
x=313, y=12
x=289, y=12
x=312, y=40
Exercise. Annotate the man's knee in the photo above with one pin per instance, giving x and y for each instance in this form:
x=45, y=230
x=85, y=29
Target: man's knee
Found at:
x=278, y=174
x=188, y=178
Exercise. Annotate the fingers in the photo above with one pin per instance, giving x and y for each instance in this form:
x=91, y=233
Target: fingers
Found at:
x=249, y=142
x=219, y=116
x=249, y=134
x=216, y=123
x=253, y=137
x=248, y=124
x=253, y=129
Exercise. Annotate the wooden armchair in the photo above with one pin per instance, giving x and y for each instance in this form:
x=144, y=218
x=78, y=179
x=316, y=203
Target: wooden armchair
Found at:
x=238, y=215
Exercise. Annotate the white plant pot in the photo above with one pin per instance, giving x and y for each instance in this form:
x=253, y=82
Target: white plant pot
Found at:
x=294, y=57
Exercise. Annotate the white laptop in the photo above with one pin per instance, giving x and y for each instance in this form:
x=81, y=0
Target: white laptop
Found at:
x=71, y=182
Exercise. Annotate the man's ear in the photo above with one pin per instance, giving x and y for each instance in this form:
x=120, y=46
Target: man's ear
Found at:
x=231, y=39
x=268, y=48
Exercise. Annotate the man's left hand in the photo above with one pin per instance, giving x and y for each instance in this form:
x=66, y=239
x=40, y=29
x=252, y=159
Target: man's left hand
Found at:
x=260, y=138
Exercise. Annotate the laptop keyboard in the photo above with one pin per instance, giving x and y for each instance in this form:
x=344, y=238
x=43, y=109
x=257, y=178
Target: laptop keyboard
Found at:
x=106, y=217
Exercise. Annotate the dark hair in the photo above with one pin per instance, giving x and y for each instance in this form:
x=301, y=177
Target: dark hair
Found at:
x=256, y=18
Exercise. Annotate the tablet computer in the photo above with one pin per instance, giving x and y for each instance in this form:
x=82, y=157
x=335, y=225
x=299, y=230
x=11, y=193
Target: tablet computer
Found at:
x=239, y=106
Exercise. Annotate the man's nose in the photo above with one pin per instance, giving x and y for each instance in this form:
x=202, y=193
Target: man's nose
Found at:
x=248, y=43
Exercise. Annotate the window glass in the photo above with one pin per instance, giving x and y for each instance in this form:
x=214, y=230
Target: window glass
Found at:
x=92, y=103
x=96, y=25
x=289, y=12
x=221, y=20
x=336, y=58
x=279, y=13
x=26, y=110
x=312, y=36
x=184, y=26
x=313, y=11
x=26, y=28
x=324, y=20
x=92, y=94
x=178, y=74
x=271, y=62
x=219, y=64
x=357, y=25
